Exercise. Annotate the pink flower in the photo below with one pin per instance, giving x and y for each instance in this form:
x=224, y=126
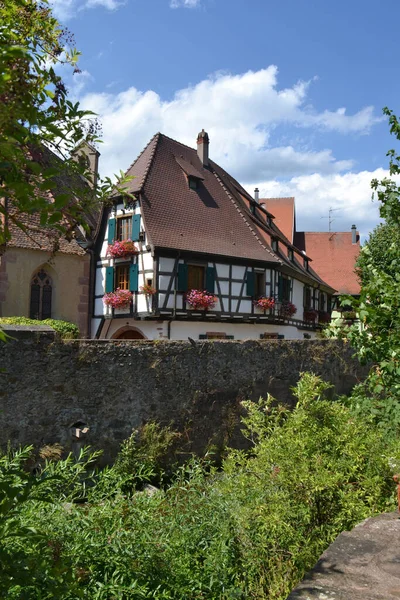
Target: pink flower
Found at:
x=118, y=299
x=201, y=299
x=265, y=303
x=121, y=249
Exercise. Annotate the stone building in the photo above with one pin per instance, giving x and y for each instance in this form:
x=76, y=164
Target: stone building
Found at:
x=42, y=274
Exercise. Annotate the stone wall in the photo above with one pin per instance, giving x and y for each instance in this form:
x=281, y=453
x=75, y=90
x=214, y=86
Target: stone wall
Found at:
x=49, y=387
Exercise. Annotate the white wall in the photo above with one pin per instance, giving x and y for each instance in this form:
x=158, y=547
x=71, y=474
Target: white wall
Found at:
x=181, y=330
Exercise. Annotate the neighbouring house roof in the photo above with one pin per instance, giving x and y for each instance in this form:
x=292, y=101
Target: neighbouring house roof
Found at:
x=37, y=237
x=334, y=257
x=283, y=210
x=219, y=217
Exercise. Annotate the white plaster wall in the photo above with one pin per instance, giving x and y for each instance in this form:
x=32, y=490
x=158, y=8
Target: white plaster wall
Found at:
x=224, y=287
x=181, y=330
x=166, y=264
x=297, y=298
x=222, y=270
x=238, y=272
x=100, y=281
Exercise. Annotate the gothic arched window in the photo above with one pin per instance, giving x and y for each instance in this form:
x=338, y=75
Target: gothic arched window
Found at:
x=41, y=290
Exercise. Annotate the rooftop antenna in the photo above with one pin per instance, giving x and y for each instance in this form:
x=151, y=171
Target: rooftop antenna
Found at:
x=331, y=210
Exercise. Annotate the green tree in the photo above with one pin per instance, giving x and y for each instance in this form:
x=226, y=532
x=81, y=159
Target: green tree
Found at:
x=378, y=342
x=36, y=116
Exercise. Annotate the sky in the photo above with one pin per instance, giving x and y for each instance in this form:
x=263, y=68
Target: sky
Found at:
x=291, y=92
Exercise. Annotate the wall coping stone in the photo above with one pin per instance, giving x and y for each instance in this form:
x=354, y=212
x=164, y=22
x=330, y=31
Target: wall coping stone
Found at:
x=362, y=564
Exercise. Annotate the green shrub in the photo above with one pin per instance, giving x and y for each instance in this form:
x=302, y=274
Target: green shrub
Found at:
x=65, y=329
x=248, y=530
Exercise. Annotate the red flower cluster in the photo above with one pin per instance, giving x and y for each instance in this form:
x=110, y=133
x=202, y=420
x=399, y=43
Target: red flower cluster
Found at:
x=118, y=299
x=121, y=249
x=287, y=309
x=201, y=300
x=264, y=302
x=310, y=315
x=148, y=290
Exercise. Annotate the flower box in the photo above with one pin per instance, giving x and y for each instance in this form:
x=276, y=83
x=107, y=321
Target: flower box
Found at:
x=201, y=300
x=324, y=317
x=264, y=303
x=118, y=299
x=148, y=290
x=122, y=249
x=310, y=315
x=287, y=309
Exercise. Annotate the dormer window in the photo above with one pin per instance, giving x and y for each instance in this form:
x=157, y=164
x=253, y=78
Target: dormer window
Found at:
x=290, y=254
x=269, y=221
x=306, y=264
x=274, y=245
x=193, y=183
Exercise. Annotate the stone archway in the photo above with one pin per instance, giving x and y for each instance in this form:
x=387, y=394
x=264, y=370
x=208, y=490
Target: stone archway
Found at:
x=128, y=333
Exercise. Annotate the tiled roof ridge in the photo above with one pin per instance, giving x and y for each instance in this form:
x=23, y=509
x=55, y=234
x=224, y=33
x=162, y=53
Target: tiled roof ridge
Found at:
x=278, y=198
x=177, y=142
x=232, y=199
x=155, y=138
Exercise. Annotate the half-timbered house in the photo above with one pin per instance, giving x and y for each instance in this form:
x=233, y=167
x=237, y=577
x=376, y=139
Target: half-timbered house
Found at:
x=192, y=254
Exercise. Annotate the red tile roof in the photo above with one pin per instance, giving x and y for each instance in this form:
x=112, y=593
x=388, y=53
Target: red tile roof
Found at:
x=334, y=257
x=37, y=237
x=283, y=210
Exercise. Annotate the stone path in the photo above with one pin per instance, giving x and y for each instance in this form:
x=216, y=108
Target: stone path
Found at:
x=362, y=564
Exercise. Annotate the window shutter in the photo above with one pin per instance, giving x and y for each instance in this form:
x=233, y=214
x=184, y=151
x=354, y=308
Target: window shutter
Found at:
x=182, y=278
x=109, y=279
x=136, y=228
x=134, y=278
x=210, y=280
x=250, y=284
x=280, y=288
x=202, y=336
x=111, y=230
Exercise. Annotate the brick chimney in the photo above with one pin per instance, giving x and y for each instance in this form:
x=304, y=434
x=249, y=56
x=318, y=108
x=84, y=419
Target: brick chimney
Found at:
x=203, y=143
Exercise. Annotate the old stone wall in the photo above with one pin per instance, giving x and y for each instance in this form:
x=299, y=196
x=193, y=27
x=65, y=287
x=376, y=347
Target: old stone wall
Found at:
x=48, y=387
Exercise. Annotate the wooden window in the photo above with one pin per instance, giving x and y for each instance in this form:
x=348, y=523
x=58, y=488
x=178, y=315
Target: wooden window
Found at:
x=259, y=283
x=41, y=295
x=122, y=277
x=124, y=228
x=307, y=297
x=322, y=302
x=284, y=288
x=196, y=277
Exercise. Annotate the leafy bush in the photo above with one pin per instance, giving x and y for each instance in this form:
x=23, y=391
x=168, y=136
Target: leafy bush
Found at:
x=248, y=530
x=65, y=329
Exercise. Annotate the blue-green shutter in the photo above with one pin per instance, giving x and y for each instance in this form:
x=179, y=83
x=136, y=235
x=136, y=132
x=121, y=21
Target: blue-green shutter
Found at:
x=182, y=278
x=210, y=280
x=109, y=279
x=134, y=278
x=111, y=230
x=280, y=288
x=136, y=228
x=250, y=283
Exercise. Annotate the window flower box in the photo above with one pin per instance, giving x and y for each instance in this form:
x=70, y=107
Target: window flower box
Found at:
x=264, y=303
x=324, y=317
x=122, y=249
x=201, y=300
x=310, y=315
x=287, y=309
x=118, y=299
x=148, y=290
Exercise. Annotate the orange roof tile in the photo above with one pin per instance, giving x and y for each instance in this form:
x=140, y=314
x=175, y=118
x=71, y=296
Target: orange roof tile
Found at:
x=334, y=257
x=284, y=214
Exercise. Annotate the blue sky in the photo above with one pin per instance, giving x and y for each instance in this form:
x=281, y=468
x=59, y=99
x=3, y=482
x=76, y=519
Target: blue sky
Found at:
x=290, y=92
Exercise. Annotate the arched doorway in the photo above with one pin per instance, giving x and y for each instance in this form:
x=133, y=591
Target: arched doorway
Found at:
x=128, y=333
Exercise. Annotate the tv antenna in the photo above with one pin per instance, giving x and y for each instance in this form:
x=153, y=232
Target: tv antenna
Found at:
x=330, y=221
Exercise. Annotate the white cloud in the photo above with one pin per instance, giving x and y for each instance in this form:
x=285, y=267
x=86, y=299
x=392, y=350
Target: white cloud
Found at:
x=67, y=9
x=240, y=113
x=349, y=194
x=184, y=3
